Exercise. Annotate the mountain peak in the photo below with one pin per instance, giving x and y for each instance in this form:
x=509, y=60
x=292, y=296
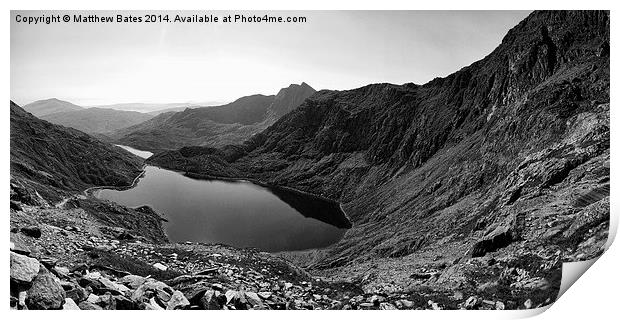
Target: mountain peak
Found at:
x=290, y=98
x=303, y=85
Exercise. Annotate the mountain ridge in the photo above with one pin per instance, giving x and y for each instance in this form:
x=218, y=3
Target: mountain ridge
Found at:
x=50, y=106
x=97, y=120
x=215, y=125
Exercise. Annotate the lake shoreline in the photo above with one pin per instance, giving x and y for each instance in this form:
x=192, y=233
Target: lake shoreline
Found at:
x=324, y=210
x=268, y=185
x=93, y=190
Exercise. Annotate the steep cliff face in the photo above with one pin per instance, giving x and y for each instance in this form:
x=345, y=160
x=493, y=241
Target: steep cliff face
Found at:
x=490, y=157
x=213, y=126
x=63, y=158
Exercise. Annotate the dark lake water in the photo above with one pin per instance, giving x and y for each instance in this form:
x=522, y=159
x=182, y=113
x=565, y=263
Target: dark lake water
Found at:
x=237, y=213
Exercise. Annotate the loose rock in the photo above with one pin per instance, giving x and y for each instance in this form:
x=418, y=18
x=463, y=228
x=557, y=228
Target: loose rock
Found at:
x=46, y=292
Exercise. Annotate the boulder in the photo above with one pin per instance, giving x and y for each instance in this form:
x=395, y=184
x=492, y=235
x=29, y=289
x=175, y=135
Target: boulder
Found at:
x=48, y=262
x=21, y=299
x=95, y=285
x=107, y=302
x=31, y=231
x=45, y=292
x=253, y=299
x=366, y=305
x=236, y=299
x=132, y=281
x=61, y=271
x=231, y=295
x=499, y=237
x=264, y=295
x=387, y=306
x=85, y=305
x=110, y=285
x=212, y=300
x=153, y=305
x=472, y=303
x=376, y=300
x=150, y=289
x=92, y=298
x=23, y=269
x=70, y=305
x=407, y=304
x=532, y=284
x=500, y=305
x=78, y=294
x=20, y=246
x=194, y=291
x=92, y=276
x=160, y=266
x=177, y=301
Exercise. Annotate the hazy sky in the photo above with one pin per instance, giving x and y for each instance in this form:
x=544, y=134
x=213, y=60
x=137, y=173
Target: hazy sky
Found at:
x=91, y=63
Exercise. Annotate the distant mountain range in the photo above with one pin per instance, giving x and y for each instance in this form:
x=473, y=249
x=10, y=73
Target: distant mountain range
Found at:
x=157, y=108
x=176, y=124
x=97, y=120
x=50, y=106
x=213, y=126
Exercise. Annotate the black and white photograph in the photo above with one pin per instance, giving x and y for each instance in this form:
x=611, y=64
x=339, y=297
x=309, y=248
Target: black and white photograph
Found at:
x=306, y=159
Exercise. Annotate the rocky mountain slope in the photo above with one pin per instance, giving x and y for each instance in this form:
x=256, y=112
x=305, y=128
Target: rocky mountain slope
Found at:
x=55, y=158
x=49, y=106
x=505, y=160
x=97, y=120
x=213, y=126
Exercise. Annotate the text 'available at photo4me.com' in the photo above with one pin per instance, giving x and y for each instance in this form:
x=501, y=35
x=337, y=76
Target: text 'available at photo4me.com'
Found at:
x=158, y=18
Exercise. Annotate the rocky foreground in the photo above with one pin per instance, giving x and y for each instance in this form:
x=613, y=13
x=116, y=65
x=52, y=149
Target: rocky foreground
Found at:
x=64, y=257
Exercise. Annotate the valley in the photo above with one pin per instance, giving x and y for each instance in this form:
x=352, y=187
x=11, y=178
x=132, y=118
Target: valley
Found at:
x=466, y=192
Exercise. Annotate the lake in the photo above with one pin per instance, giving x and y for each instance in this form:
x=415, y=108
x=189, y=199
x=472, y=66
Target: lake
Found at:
x=237, y=213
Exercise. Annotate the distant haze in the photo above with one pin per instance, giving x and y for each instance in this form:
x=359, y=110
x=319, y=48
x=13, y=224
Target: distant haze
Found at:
x=156, y=108
x=93, y=64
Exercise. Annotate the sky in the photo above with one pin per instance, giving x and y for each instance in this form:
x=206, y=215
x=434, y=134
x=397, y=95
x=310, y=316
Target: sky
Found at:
x=107, y=63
